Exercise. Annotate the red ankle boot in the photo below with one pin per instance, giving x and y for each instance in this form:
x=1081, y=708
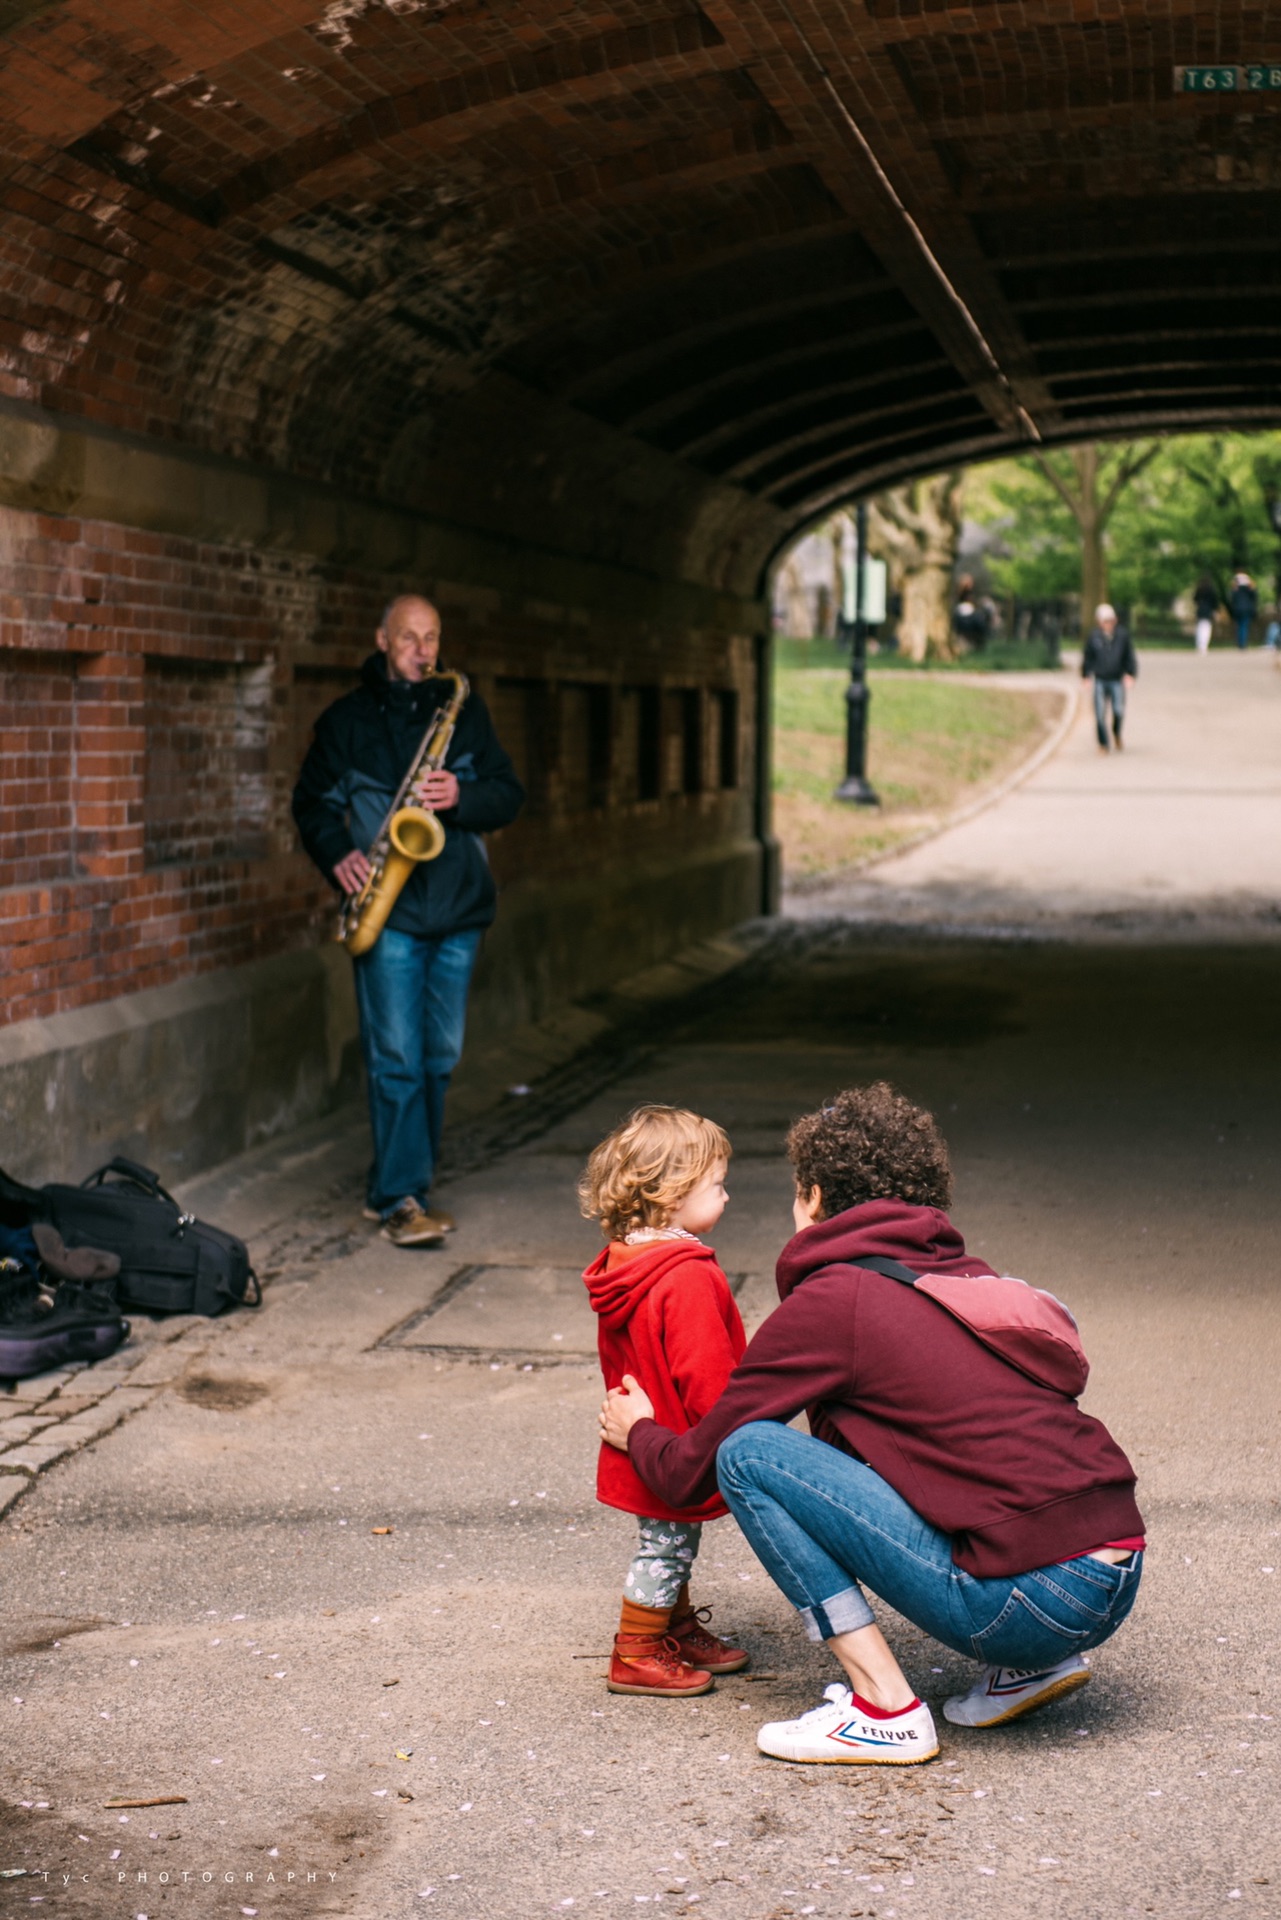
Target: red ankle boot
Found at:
x=653, y=1664
x=703, y=1649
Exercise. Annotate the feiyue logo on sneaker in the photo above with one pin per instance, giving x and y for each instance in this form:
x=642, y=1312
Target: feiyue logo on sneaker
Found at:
x=1014, y=1682
x=858, y=1733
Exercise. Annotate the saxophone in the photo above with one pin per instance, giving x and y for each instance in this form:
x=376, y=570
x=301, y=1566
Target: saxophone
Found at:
x=410, y=833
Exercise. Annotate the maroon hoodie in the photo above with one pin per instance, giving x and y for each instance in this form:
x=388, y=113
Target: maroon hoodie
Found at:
x=1014, y=1471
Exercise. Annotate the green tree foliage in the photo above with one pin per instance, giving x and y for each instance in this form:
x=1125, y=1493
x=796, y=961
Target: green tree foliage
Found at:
x=1201, y=504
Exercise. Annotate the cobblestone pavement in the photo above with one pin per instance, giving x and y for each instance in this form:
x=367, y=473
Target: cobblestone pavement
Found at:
x=44, y=1419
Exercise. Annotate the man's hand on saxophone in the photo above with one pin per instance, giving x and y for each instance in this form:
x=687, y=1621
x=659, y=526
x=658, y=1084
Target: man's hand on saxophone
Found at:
x=352, y=871
x=439, y=791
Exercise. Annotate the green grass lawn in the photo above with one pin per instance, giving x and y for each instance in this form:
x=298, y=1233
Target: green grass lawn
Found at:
x=932, y=744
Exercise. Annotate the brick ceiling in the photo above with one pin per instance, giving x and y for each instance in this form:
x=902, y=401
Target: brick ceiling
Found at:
x=801, y=247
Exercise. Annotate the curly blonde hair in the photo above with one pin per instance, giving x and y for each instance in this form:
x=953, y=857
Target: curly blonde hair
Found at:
x=642, y=1171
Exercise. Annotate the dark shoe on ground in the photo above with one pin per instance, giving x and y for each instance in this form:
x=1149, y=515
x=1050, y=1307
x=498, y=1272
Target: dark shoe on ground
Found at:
x=72, y=1263
x=80, y=1322
x=411, y=1226
x=445, y=1222
x=1007, y=1693
x=699, y=1648
x=643, y=1665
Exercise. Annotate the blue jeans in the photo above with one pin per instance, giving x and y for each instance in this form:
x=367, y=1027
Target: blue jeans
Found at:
x=1244, y=622
x=1105, y=690
x=820, y=1522
x=411, y=989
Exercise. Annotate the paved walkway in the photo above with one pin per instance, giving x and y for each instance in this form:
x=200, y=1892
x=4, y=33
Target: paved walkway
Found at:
x=1182, y=829
x=337, y=1588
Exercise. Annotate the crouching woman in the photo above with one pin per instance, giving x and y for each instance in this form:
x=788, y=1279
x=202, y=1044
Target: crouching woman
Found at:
x=977, y=1500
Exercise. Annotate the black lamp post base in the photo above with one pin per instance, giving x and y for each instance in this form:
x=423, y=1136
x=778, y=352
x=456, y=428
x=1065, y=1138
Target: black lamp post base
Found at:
x=856, y=791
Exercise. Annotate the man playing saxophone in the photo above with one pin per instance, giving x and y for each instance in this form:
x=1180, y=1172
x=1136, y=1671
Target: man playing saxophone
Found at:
x=412, y=982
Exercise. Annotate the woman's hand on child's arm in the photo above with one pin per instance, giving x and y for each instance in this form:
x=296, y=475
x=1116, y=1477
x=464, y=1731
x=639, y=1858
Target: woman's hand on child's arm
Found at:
x=621, y=1408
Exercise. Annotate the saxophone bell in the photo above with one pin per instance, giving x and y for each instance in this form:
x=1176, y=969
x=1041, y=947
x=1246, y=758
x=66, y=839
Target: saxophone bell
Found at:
x=417, y=834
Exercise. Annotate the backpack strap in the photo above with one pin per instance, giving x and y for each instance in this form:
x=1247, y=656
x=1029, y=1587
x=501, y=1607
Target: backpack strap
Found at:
x=892, y=1269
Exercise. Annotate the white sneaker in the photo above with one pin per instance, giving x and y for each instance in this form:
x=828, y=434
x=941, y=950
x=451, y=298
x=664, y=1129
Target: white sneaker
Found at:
x=840, y=1731
x=1003, y=1693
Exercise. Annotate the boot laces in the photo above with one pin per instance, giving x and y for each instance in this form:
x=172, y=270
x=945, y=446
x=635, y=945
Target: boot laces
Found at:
x=671, y=1655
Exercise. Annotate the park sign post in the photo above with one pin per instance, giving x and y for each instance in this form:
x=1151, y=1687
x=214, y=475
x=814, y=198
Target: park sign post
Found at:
x=1258, y=76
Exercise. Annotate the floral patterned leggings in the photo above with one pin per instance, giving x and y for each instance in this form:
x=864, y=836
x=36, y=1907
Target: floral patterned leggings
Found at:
x=664, y=1561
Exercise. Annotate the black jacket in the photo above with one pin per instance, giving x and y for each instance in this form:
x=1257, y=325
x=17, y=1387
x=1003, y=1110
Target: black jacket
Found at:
x=1243, y=600
x=362, y=749
x=1109, y=659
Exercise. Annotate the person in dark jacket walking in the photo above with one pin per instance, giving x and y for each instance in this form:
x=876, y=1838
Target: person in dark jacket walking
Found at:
x=412, y=984
x=1206, y=600
x=1243, y=605
x=1109, y=658
x=978, y=1501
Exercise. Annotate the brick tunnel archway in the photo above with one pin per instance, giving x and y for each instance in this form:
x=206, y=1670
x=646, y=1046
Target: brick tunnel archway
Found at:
x=573, y=316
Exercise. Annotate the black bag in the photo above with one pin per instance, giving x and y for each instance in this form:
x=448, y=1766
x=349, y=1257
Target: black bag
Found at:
x=170, y=1262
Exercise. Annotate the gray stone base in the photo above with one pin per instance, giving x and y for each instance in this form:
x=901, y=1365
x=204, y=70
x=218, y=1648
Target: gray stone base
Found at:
x=185, y=1076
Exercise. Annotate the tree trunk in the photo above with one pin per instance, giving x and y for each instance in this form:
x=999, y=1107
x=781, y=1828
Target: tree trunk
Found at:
x=915, y=528
x=1094, y=562
x=925, y=630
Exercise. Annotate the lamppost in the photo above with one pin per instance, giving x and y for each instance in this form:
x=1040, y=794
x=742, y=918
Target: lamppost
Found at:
x=854, y=788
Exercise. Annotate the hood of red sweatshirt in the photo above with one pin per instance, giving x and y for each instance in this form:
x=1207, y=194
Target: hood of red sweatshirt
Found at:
x=616, y=1291
x=923, y=1238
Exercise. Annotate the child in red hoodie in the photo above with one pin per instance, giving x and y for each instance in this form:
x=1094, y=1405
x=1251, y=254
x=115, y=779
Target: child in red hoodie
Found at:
x=667, y=1317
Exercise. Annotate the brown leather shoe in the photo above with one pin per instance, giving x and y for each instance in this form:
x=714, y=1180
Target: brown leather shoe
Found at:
x=701, y=1648
x=442, y=1221
x=410, y=1226
x=640, y=1664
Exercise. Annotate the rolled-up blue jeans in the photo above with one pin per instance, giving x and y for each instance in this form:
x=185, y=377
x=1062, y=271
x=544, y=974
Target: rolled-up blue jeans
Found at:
x=821, y=1523
x=411, y=990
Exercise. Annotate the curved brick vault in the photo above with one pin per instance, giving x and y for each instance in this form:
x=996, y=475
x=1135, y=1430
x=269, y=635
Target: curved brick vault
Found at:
x=575, y=312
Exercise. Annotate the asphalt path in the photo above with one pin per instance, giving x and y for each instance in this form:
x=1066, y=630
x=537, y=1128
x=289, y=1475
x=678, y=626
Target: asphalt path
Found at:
x=360, y=1524
x=1179, y=834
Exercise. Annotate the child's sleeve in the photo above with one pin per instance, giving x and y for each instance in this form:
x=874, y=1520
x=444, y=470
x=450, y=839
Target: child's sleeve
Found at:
x=699, y=1344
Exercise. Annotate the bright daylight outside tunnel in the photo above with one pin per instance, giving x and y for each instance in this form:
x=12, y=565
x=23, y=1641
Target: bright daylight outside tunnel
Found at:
x=612, y=429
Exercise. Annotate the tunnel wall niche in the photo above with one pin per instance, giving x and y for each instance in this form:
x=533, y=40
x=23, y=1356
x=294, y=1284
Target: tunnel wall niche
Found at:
x=167, y=638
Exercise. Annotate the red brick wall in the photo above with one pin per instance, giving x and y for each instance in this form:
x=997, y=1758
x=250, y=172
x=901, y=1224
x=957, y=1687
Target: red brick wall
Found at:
x=158, y=696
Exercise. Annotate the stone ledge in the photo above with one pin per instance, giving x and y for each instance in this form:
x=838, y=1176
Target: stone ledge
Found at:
x=12, y=1488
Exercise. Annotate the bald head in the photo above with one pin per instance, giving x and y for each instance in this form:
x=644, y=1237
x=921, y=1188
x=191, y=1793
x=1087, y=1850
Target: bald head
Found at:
x=409, y=636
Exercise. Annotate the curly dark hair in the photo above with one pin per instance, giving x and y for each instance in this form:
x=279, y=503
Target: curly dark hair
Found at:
x=870, y=1143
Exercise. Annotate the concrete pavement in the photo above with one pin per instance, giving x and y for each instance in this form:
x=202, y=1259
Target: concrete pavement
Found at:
x=207, y=1602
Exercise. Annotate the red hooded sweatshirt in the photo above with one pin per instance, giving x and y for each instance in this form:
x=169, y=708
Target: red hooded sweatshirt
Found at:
x=667, y=1317
x=1014, y=1471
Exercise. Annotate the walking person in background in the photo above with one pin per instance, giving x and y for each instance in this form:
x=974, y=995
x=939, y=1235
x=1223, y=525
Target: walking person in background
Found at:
x=1206, y=597
x=1243, y=604
x=1109, y=660
x=971, y=620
